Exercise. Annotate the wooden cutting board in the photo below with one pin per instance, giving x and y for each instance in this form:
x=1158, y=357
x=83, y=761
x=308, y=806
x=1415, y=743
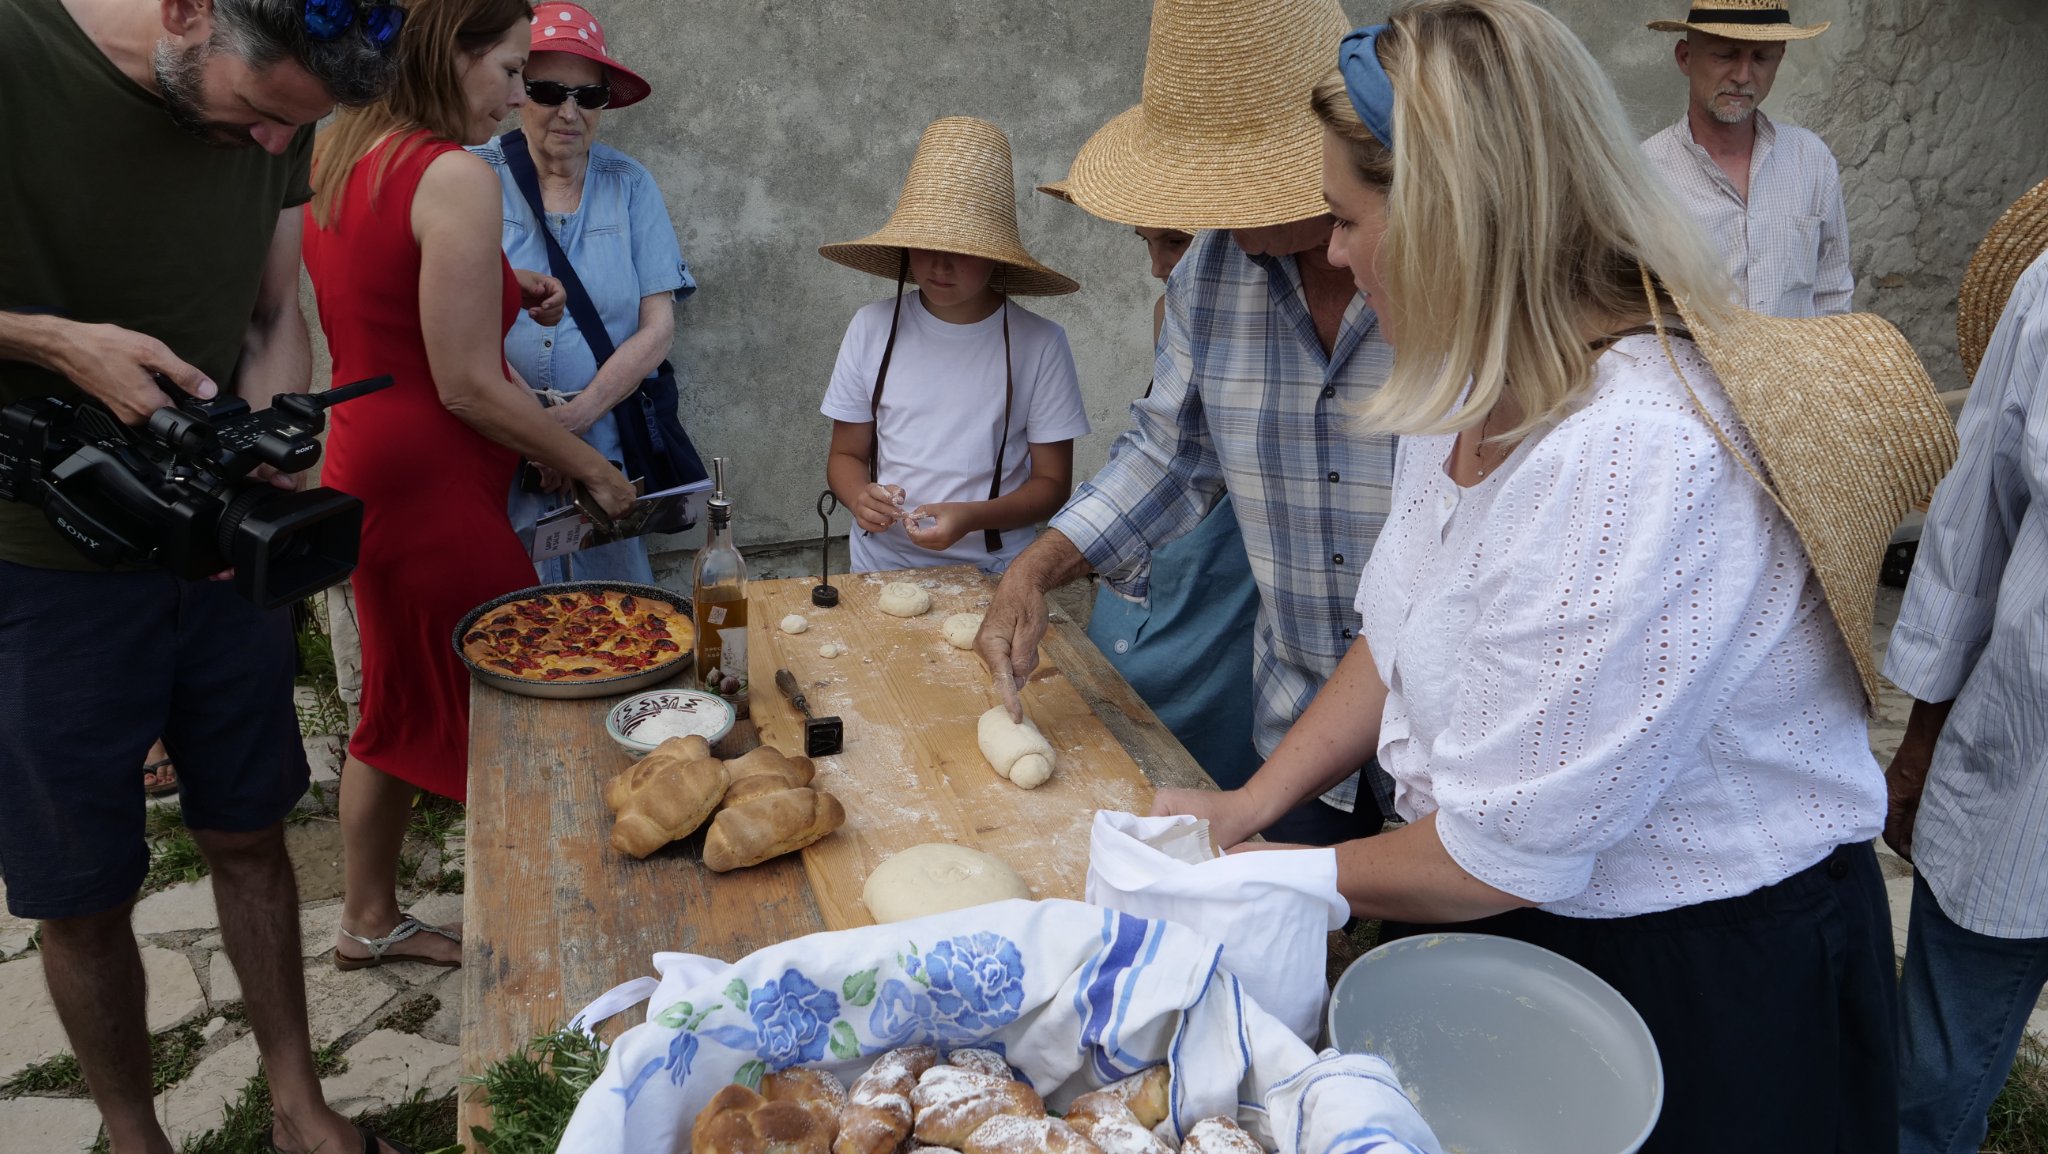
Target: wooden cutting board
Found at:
x=912, y=771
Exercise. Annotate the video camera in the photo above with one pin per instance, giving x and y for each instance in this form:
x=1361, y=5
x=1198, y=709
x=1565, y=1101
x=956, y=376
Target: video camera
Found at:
x=176, y=493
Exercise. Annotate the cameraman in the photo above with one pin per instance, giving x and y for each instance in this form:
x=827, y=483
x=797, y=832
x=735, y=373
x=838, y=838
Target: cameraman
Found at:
x=154, y=227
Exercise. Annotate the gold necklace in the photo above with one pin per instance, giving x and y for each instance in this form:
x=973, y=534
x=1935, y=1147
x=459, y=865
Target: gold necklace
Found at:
x=1478, y=460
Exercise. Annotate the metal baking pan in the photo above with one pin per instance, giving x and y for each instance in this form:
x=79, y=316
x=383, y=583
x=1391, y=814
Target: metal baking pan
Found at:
x=574, y=690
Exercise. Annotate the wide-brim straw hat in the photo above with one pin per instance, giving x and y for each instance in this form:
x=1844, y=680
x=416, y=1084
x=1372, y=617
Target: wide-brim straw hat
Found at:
x=1741, y=20
x=960, y=197
x=1224, y=136
x=2017, y=239
x=1852, y=437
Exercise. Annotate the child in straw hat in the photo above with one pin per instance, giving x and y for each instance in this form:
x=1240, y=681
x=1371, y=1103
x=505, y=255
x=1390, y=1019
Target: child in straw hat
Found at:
x=954, y=410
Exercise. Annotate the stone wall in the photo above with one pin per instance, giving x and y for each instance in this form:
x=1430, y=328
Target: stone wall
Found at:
x=778, y=125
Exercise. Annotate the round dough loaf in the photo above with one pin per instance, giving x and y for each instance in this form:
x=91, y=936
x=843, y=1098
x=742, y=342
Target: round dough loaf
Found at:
x=960, y=628
x=831, y=649
x=1018, y=752
x=902, y=599
x=795, y=623
x=936, y=877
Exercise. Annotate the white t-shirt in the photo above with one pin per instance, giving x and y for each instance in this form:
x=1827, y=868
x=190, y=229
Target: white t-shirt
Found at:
x=942, y=410
x=1611, y=673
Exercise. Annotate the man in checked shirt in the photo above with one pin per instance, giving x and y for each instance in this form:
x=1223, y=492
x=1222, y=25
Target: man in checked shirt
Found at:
x=1266, y=352
x=1768, y=194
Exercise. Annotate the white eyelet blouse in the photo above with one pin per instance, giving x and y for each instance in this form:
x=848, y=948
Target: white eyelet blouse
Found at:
x=1610, y=670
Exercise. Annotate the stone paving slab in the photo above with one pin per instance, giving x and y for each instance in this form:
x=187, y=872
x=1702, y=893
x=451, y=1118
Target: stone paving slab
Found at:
x=30, y=1032
x=186, y=906
x=49, y=1125
x=198, y=1103
x=337, y=1002
x=223, y=985
x=387, y=1066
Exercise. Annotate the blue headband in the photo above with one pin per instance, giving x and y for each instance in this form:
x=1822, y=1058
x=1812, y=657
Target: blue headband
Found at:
x=1365, y=81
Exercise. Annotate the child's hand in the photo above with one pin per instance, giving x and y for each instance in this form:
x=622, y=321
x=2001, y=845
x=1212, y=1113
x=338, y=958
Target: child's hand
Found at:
x=938, y=527
x=878, y=507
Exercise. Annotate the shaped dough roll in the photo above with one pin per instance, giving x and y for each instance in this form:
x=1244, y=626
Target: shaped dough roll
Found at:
x=1017, y=752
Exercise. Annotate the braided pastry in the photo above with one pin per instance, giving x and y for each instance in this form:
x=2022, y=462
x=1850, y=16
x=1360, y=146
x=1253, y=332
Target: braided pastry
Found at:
x=1004, y=1134
x=739, y=1121
x=950, y=1102
x=877, y=1116
x=1219, y=1136
x=981, y=1062
x=1106, y=1119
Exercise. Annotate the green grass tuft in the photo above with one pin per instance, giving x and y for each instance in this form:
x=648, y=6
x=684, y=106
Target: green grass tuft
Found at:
x=172, y=1055
x=411, y=1017
x=2019, y=1118
x=173, y=858
x=58, y=1077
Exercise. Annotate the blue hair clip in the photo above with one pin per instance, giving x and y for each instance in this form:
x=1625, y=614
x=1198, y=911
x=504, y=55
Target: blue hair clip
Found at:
x=1365, y=81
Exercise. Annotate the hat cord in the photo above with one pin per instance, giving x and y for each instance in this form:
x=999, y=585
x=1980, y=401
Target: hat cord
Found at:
x=1741, y=458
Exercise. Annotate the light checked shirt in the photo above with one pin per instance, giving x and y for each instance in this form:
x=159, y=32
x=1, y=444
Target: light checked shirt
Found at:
x=1788, y=246
x=1245, y=400
x=1974, y=629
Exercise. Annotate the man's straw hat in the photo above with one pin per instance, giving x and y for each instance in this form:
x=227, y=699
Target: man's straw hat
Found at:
x=1224, y=136
x=1741, y=20
x=2016, y=240
x=1845, y=418
x=960, y=197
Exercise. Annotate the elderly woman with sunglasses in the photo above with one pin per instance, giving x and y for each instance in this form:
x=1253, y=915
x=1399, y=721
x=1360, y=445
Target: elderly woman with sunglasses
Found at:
x=606, y=214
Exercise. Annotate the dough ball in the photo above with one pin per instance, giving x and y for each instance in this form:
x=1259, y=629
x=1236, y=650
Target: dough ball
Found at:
x=960, y=628
x=831, y=649
x=795, y=623
x=902, y=599
x=936, y=877
x=1018, y=752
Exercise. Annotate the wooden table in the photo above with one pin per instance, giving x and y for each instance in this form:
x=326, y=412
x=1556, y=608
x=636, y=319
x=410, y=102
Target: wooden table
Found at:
x=552, y=916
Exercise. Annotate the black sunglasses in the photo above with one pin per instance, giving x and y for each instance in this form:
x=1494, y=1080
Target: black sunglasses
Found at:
x=329, y=19
x=551, y=93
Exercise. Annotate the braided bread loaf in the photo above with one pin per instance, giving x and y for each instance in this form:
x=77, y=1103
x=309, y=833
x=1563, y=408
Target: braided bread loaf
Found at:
x=877, y=1117
x=950, y=1103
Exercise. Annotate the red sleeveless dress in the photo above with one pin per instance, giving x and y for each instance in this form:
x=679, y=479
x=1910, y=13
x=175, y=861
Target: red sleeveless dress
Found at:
x=436, y=537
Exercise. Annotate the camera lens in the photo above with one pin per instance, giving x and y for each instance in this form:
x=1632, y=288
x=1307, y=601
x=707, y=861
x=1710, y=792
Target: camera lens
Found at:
x=285, y=546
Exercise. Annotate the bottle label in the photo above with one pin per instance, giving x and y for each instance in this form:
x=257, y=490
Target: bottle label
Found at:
x=715, y=615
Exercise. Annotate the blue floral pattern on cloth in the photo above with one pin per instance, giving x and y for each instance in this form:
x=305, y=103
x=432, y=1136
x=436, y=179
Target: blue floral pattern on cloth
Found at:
x=961, y=990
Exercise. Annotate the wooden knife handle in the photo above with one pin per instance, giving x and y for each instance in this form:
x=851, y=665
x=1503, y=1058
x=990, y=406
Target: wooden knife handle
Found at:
x=786, y=682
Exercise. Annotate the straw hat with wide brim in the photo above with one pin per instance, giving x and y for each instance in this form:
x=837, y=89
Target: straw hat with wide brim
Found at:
x=960, y=197
x=2016, y=240
x=1845, y=418
x=1224, y=136
x=1741, y=20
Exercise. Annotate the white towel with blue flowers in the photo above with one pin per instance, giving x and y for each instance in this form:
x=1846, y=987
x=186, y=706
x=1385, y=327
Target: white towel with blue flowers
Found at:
x=1074, y=996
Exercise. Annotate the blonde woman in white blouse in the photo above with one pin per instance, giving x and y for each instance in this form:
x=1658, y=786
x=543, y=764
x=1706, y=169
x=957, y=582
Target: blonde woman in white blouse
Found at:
x=1595, y=658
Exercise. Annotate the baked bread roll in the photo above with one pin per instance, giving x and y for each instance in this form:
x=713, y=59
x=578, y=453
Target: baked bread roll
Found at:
x=1144, y=1092
x=877, y=1116
x=1004, y=1134
x=1219, y=1136
x=950, y=1103
x=766, y=827
x=980, y=1061
x=739, y=1121
x=818, y=1092
x=1105, y=1118
x=766, y=769
x=665, y=795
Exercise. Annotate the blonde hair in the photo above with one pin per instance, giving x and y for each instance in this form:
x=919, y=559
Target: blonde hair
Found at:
x=437, y=38
x=1519, y=213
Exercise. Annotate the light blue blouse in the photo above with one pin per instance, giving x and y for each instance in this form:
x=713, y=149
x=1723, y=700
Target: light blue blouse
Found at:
x=623, y=248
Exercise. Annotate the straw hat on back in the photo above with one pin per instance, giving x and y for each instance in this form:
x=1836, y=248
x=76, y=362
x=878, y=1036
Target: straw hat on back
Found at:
x=1224, y=136
x=2017, y=240
x=960, y=197
x=1741, y=20
x=1847, y=481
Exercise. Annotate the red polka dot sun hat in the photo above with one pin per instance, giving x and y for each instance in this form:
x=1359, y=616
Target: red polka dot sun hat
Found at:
x=562, y=27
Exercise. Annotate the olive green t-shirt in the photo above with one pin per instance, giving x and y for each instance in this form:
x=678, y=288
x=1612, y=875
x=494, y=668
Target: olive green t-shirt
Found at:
x=110, y=213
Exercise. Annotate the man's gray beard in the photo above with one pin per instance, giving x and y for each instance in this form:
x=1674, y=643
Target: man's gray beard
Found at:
x=180, y=75
x=1714, y=109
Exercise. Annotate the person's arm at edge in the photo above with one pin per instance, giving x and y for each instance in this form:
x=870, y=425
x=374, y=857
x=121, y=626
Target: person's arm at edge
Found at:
x=461, y=327
x=277, y=350
x=1834, y=278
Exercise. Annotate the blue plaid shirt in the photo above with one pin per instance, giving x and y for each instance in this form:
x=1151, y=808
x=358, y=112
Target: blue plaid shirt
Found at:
x=1244, y=401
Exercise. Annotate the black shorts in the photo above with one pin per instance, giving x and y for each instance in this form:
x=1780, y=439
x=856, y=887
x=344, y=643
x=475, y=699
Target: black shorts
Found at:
x=93, y=668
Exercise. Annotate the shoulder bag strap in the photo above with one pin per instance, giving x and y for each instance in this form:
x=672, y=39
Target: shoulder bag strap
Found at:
x=581, y=308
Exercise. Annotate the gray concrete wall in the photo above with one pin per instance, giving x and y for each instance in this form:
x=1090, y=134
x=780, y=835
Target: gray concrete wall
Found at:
x=778, y=125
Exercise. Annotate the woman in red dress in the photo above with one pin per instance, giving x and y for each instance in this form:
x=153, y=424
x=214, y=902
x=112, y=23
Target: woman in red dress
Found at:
x=402, y=242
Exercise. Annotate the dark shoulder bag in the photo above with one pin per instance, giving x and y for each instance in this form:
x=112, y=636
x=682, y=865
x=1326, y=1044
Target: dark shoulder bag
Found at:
x=651, y=435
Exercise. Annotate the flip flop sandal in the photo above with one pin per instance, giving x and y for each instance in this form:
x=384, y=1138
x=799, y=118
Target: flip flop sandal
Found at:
x=161, y=787
x=370, y=1140
x=407, y=927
